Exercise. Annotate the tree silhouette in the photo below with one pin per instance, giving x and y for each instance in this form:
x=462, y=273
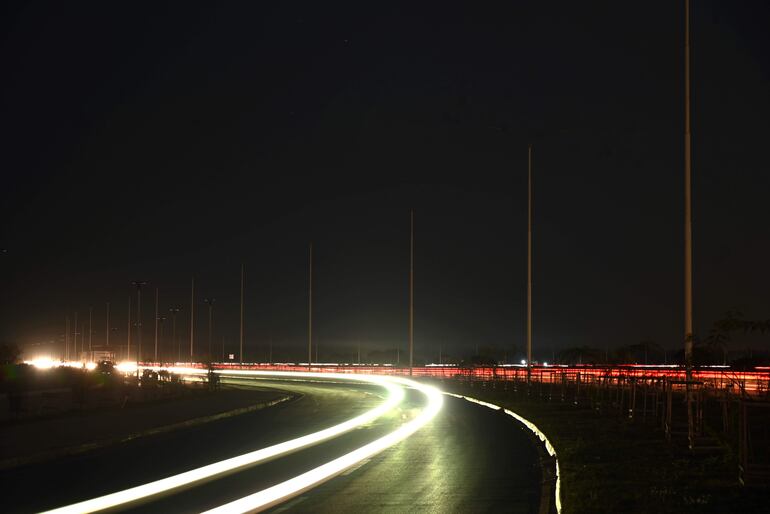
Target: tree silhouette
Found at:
x=580, y=355
x=9, y=353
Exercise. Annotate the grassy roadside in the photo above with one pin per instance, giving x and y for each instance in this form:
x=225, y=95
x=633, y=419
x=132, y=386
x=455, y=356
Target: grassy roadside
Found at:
x=609, y=464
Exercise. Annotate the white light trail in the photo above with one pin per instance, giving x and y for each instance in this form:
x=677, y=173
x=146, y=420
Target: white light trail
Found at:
x=42, y=363
x=276, y=494
x=395, y=396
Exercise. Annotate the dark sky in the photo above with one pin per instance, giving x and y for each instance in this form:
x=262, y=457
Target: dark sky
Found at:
x=174, y=140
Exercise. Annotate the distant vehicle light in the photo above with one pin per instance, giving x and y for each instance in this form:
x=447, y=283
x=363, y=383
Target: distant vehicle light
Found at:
x=42, y=363
x=126, y=367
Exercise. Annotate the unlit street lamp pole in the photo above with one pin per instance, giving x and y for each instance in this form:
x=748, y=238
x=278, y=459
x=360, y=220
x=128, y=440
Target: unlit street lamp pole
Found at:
x=210, y=302
x=174, y=342
x=411, y=290
x=310, y=309
x=529, y=262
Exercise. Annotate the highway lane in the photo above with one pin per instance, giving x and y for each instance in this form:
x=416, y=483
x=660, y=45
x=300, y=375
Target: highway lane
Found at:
x=469, y=459
x=246, y=482
x=64, y=481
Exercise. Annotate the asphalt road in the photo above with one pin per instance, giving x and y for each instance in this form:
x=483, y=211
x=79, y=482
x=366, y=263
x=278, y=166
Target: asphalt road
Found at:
x=468, y=459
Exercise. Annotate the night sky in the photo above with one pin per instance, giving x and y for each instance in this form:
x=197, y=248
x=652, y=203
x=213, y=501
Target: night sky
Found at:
x=163, y=142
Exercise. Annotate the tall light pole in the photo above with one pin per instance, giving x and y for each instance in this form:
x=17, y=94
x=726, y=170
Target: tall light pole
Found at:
x=688, y=329
x=138, y=284
x=688, y=326
x=67, y=338
x=174, y=343
x=161, y=320
x=82, y=338
x=529, y=261
x=107, y=341
x=90, y=332
x=128, y=332
x=115, y=352
x=156, y=325
x=75, y=327
x=411, y=290
x=210, y=303
x=310, y=309
x=192, y=318
x=243, y=280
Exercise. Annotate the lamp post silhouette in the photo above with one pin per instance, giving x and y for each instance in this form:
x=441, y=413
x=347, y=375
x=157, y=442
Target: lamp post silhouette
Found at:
x=138, y=284
x=107, y=332
x=243, y=284
x=310, y=309
x=174, y=342
x=116, y=351
x=155, y=359
x=210, y=303
x=163, y=355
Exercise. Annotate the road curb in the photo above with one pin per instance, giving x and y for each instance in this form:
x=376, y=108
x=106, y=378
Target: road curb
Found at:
x=68, y=451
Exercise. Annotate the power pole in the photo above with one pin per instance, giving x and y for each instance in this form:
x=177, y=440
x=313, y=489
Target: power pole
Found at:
x=156, y=325
x=243, y=279
x=529, y=262
x=310, y=309
x=411, y=290
x=192, y=317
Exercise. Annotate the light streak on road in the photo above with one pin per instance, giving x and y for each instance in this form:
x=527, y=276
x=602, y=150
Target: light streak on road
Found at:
x=121, y=498
x=276, y=494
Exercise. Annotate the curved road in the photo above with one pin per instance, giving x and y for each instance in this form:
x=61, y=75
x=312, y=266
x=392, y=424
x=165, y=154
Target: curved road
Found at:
x=468, y=459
